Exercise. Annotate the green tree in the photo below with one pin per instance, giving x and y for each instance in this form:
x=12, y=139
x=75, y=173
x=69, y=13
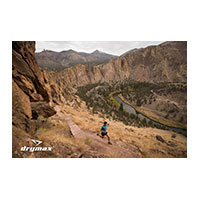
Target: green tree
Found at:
x=121, y=107
x=138, y=103
x=144, y=122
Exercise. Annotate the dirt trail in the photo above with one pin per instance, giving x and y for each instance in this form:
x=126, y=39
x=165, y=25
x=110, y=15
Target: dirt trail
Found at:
x=99, y=146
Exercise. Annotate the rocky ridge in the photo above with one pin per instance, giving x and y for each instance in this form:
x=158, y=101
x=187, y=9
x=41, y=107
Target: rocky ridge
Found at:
x=51, y=60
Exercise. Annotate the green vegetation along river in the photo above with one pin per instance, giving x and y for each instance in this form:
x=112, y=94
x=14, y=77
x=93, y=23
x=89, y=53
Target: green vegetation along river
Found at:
x=130, y=110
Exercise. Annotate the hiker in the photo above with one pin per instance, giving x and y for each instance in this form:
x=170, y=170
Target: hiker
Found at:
x=104, y=132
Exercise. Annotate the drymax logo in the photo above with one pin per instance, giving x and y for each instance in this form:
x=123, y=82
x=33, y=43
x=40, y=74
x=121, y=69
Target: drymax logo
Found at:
x=37, y=147
x=37, y=142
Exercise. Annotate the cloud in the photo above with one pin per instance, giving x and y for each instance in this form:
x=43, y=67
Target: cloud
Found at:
x=112, y=47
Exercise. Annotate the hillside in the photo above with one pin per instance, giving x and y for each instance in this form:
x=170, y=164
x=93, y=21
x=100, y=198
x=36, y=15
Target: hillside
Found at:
x=50, y=60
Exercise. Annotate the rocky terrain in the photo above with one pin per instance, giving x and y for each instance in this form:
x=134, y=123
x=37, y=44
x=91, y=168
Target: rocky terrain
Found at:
x=51, y=60
x=45, y=105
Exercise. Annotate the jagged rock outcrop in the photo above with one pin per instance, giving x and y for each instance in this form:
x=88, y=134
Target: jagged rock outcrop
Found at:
x=31, y=94
x=26, y=73
x=166, y=62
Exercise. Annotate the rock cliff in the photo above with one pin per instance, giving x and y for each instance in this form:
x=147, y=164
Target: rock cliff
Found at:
x=31, y=93
x=166, y=62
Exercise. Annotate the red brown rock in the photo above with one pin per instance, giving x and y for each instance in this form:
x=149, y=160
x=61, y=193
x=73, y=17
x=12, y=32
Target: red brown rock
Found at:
x=29, y=86
x=26, y=73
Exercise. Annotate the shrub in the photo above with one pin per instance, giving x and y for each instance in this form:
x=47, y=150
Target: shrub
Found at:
x=88, y=141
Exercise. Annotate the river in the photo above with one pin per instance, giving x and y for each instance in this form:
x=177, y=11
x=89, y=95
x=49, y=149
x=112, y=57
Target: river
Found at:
x=130, y=109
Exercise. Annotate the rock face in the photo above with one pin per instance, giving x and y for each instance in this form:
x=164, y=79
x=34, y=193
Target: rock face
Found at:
x=21, y=108
x=30, y=93
x=166, y=62
x=26, y=73
x=50, y=60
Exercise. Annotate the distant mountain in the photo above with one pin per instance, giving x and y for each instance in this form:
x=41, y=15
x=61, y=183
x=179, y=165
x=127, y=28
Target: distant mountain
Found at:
x=50, y=60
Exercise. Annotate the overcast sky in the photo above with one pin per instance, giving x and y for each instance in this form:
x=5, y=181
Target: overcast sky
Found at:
x=111, y=47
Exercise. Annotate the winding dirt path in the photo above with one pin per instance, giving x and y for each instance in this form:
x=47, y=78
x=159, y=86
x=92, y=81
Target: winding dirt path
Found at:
x=97, y=145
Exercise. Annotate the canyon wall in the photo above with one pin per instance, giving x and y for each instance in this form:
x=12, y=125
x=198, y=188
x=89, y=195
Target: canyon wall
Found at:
x=31, y=94
x=166, y=62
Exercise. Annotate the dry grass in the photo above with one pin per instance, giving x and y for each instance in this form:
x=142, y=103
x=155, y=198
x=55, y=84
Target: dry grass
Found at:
x=144, y=138
x=60, y=135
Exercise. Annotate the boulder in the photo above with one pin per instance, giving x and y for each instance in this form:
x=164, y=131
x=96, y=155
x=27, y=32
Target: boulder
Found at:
x=41, y=108
x=159, y=138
